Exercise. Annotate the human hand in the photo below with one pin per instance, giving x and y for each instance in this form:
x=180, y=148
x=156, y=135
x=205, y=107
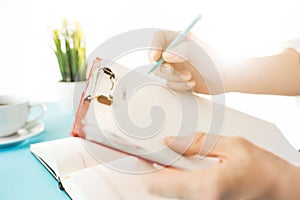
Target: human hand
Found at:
x=245, y=172
x=187, y=66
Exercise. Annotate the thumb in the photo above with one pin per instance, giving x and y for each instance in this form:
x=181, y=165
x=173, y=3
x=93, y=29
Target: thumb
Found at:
x=200, y=143
x=177, y=54
x=188, y=145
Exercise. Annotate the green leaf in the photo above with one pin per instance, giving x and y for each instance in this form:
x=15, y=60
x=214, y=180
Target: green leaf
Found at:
x=70, y=51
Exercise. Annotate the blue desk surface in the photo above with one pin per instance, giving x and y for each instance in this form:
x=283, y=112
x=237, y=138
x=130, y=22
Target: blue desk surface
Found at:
x=21, y=175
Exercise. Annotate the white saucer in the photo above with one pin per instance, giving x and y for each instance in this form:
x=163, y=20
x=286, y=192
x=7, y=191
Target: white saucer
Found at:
x=23, y=134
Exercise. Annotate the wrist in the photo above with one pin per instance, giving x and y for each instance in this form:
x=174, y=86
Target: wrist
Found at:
x=227, y=78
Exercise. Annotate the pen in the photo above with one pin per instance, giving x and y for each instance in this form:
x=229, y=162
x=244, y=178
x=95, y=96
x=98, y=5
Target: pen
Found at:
x=176, y=41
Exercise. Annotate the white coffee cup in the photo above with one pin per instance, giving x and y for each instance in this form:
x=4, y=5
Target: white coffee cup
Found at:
x=14, y=112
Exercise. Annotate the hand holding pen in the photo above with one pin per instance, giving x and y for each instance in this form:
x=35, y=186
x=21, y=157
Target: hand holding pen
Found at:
x=171, y=60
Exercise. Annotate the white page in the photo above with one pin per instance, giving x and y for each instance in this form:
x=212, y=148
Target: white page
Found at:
x=102, y=182
x=64, y=155
x=71, y=154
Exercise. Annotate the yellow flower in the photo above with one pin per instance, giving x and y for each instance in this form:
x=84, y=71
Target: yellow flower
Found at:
x=65, y=24
x=56, y=33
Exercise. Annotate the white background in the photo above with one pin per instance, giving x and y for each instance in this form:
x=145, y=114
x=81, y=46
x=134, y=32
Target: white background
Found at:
x=235, y=28
x=28, y=65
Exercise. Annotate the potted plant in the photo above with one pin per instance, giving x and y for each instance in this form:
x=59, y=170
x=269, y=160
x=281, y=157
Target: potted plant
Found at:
x=70, y=51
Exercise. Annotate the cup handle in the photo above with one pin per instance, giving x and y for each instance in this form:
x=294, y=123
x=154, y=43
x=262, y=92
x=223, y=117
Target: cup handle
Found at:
x=43, y=111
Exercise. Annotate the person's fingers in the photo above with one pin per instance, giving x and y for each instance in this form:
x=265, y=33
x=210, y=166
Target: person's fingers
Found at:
x=162, y=39
x=183, y=184
x=168, y=72
x=154, y=55
x=187, y=145
x=204, y=144
x=181, y=86
x=160, y=42
x=172, y=57
x=169, y=182
x=177, y=54
x=165, y=70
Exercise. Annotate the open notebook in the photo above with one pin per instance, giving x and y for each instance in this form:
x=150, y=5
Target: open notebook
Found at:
x=84, y=177
x=99, y=163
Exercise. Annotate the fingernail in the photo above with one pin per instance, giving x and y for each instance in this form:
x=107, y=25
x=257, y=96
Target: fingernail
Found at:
x=166, y=70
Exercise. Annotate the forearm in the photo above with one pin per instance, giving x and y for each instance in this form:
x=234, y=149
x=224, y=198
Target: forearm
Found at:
x=288, y=185
x=278, y=74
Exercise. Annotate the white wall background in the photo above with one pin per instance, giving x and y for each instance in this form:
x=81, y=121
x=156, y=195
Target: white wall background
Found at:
x=28, y=65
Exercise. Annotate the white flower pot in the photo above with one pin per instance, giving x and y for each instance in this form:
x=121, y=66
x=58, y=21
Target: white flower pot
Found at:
x=69, y=94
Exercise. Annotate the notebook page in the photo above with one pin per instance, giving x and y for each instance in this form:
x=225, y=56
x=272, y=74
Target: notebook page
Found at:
x=64, y=155
x=102, y=182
